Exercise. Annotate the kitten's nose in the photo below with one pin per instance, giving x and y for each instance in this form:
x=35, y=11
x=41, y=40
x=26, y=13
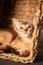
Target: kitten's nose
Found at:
x=26, y=30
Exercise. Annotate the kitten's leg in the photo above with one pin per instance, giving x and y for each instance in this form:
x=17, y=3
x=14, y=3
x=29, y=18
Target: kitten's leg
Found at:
x=22, y=47
x=5, y=39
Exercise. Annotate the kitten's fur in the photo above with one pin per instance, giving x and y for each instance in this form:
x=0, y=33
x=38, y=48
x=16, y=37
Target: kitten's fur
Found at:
x=24, y=39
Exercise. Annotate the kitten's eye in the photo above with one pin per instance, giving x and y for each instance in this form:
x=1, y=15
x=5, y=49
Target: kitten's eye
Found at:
x=29, y=26
x=21, y=27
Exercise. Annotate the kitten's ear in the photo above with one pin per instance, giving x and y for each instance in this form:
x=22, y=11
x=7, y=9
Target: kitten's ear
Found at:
x=35, y=17
x=16, y=23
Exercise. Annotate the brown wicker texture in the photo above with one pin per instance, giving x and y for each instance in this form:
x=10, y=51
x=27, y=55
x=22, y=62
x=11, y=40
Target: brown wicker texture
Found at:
x=24, y=9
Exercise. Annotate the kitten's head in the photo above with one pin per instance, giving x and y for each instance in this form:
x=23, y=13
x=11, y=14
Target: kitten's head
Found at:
x=23, y=29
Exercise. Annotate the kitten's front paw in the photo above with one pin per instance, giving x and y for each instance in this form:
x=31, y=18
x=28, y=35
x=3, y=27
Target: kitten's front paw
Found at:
x=24, y=53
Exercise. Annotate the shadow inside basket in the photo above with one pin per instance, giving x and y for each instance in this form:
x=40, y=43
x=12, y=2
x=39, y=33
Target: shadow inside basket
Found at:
x=11, y=51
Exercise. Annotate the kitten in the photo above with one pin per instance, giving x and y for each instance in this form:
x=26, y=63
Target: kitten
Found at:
x=23, y=42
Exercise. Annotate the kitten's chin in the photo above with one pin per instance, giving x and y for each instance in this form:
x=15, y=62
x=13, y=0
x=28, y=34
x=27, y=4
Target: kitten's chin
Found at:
x=25, y=35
